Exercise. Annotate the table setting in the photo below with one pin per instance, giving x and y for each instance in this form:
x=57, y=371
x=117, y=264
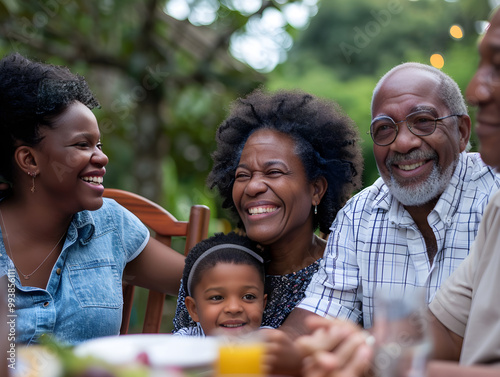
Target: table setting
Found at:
x=141, y=355
x=402, y=349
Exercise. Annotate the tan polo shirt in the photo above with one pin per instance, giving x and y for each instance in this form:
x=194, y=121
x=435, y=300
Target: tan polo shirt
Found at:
x=468, y=302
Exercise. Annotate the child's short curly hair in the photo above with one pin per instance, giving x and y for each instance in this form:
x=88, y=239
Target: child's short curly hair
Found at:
x=223, y=255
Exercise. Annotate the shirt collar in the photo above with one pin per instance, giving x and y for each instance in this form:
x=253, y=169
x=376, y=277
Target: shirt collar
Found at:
x=82, y=226
x=449, y=200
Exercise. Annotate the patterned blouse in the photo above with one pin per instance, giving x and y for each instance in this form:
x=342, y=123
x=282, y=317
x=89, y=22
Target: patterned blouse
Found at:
x=284, y=292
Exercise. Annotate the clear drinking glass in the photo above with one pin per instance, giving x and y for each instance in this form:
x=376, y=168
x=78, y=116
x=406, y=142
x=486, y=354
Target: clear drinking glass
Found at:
x=401, y=329
x=240, y=356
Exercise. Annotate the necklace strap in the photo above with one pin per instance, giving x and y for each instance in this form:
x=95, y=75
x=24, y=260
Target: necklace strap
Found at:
x=9, y=251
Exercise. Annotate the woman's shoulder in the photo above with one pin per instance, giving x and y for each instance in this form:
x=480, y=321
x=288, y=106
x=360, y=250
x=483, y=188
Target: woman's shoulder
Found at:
x=110, y=207
x=109, y=215
x=111, y=204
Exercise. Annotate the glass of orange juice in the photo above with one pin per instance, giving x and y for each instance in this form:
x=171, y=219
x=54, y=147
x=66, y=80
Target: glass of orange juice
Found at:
x=240, y=356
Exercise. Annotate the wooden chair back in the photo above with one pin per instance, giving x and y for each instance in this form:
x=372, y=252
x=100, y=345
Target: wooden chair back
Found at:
x=164, y=226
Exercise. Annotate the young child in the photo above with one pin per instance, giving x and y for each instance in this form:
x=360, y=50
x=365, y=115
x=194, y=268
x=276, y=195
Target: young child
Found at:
x=224, y=282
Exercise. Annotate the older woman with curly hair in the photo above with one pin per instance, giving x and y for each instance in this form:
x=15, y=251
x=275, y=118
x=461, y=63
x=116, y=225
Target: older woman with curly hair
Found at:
x=285, y=163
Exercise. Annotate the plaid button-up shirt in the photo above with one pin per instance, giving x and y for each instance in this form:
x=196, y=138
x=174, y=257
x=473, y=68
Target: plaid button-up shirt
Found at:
x=375, y=243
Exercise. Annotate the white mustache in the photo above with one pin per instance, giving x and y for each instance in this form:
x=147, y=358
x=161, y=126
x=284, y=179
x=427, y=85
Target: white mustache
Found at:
x=399, y=158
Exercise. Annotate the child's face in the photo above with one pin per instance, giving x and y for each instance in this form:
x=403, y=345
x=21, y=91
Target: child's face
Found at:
x=228, y=300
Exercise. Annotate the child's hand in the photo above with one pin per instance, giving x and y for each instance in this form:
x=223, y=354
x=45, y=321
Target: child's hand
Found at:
x=282, y=357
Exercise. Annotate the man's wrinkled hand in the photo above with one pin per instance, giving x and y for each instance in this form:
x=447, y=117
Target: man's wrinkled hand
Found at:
x=336, y=348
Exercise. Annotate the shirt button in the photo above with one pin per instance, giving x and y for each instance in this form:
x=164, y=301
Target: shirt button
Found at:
x=45, y=304
x=58, y=271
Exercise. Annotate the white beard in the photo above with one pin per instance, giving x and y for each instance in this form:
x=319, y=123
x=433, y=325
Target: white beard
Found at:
x=424, y=192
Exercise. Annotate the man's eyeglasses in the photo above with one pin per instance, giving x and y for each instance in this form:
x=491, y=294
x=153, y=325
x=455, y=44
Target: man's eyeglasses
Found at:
x=384, y=130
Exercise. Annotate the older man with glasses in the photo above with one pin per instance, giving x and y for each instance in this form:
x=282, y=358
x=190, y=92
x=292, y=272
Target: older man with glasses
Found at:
x=415, y=224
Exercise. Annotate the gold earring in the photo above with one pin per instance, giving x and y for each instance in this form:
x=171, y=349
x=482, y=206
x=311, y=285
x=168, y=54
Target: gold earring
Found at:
x=33, y=176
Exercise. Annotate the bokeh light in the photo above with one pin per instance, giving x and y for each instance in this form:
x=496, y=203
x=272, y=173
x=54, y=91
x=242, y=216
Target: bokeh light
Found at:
x=456, y=32
x=437, y=61
x=264, y=41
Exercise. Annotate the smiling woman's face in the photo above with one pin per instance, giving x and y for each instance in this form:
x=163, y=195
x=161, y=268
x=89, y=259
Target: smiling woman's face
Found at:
x=271, y=192
x=484, y=92
x=70, y=161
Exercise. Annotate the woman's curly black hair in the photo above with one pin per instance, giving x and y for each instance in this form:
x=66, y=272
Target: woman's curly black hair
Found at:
x=327, y=142
x=226, y=255
x=32, y=95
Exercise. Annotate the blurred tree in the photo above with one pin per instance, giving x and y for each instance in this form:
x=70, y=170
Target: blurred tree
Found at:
x=366, y=36
x=163, y=84
x=349, y=45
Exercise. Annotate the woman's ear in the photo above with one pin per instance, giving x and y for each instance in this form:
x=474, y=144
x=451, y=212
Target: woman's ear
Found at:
x=319, y=186
x=191, y=308
x=25, y=159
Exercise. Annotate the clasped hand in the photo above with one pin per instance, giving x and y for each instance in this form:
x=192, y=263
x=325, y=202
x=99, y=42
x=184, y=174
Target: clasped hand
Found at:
x=335, y=348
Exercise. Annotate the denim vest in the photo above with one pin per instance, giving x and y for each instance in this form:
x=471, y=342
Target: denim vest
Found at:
x=83, y=298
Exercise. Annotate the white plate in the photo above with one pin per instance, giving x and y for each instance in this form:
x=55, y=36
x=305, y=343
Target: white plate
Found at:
x=162, y=350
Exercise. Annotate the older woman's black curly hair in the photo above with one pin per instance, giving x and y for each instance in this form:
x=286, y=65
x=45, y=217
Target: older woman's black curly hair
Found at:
x=327, y=142
x=32, y=95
